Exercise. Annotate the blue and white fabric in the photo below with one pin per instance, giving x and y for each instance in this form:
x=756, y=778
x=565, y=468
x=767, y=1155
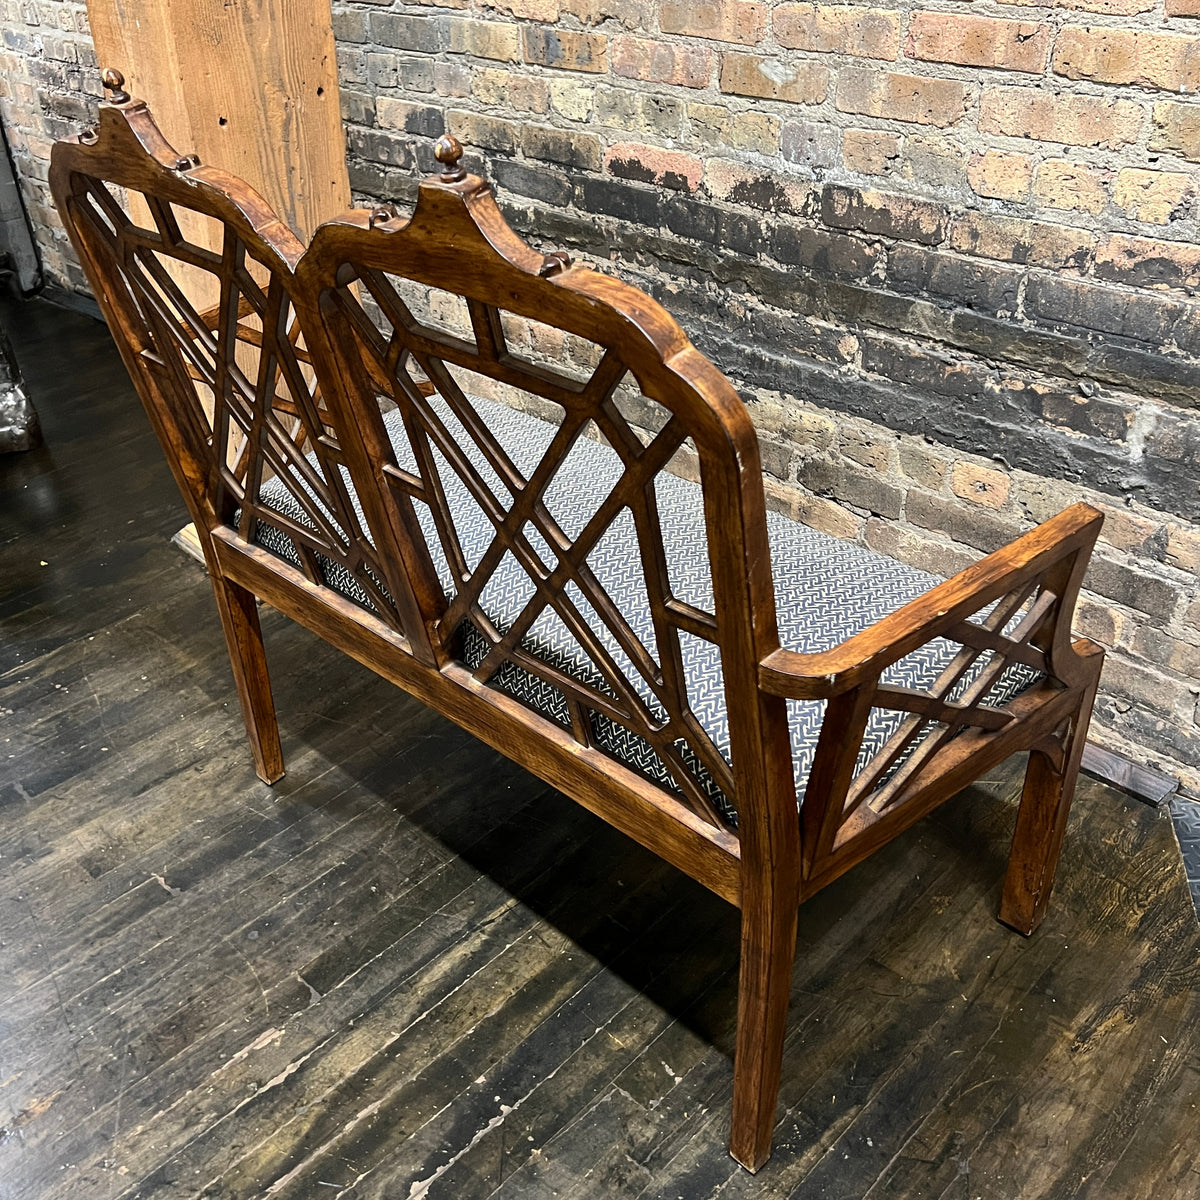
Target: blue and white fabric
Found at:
x=826, y=591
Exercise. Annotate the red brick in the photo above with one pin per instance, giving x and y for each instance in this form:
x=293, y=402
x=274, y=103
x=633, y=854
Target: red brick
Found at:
x=1050, y=117
x=838, y=29
x=979, y=41
x=1176, y=128
x=1157, y=60
x=661, y=62
x=741, y=21
x=769, y=79
x=650, y=164
x=1000, y=176
x=914, y=98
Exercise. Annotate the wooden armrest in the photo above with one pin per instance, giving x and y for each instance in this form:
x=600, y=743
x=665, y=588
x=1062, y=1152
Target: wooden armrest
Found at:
x=868, y=653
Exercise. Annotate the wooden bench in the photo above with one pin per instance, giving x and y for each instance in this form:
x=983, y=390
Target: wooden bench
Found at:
x=511, y=486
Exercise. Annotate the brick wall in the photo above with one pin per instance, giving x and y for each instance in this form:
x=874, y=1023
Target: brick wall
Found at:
x=947, y=256
x=49, y=87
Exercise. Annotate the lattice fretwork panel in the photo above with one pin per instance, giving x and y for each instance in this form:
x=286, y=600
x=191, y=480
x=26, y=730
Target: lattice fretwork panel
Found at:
x=220, y=338
x=960, y=684
x=539, y=502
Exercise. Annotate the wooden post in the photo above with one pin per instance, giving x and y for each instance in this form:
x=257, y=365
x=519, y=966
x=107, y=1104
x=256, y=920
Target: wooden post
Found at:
x=248, y=87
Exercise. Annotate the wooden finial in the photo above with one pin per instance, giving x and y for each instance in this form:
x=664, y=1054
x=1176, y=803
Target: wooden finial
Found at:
x=114, y=81
x=448, y=150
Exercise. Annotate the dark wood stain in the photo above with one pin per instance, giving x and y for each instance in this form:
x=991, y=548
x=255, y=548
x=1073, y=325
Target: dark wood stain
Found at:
x=410, y=969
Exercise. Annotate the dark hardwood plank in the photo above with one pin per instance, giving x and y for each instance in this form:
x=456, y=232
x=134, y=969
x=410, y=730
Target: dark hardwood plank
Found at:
x=436, y=929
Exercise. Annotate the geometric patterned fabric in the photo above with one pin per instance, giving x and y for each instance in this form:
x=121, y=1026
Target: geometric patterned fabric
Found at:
x=826, y=590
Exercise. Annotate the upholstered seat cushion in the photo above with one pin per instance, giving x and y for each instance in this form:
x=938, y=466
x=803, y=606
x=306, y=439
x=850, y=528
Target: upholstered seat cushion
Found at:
x=826, y=591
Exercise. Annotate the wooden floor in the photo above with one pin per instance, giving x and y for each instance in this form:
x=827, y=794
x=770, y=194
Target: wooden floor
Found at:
x=412, y=971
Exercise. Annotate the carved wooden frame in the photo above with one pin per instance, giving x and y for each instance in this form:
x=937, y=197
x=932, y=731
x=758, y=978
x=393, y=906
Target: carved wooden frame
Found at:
x=458, y=240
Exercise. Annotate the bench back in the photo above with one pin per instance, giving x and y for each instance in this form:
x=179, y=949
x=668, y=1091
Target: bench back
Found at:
x=541, y=554
x=193, y=272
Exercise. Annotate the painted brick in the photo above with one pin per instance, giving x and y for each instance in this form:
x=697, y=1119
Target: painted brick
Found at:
x=829, y=254
x=884, y=214
x=741, y=21
x=538, y=183
x=1147, y=262
x=979, y=41
x=485, y=39
x=1071, y=185
x=980, y=485
x=1155, y=197
x=1000, y=176
x=752, y=131
x=814, y=144
x=870, y=151
x=566, y=49
x=770, y=79
x=1176, y=127
x=1017, y=240
x=661, y=62
x=572, y=148
x=838, y=29
x=1183, y=8
x=912, y=98
x=1125, y=56
x=1050, y=117
x=651, y=164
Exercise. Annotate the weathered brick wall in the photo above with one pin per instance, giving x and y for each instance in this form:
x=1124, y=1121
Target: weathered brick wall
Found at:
x=49, y=87
x=947, y=256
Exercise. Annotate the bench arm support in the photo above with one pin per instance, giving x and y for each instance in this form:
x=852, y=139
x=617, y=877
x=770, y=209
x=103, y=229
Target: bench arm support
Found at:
x=1056, y=552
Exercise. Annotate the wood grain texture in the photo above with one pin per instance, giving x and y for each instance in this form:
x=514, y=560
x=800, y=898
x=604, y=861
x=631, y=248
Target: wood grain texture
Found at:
x=249, y=86
x=313, y=417
x=412, y=969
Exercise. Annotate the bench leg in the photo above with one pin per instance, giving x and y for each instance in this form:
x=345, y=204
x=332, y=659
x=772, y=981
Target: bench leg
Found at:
x=1041, y=823
x=764, y=989
x=243, y=637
